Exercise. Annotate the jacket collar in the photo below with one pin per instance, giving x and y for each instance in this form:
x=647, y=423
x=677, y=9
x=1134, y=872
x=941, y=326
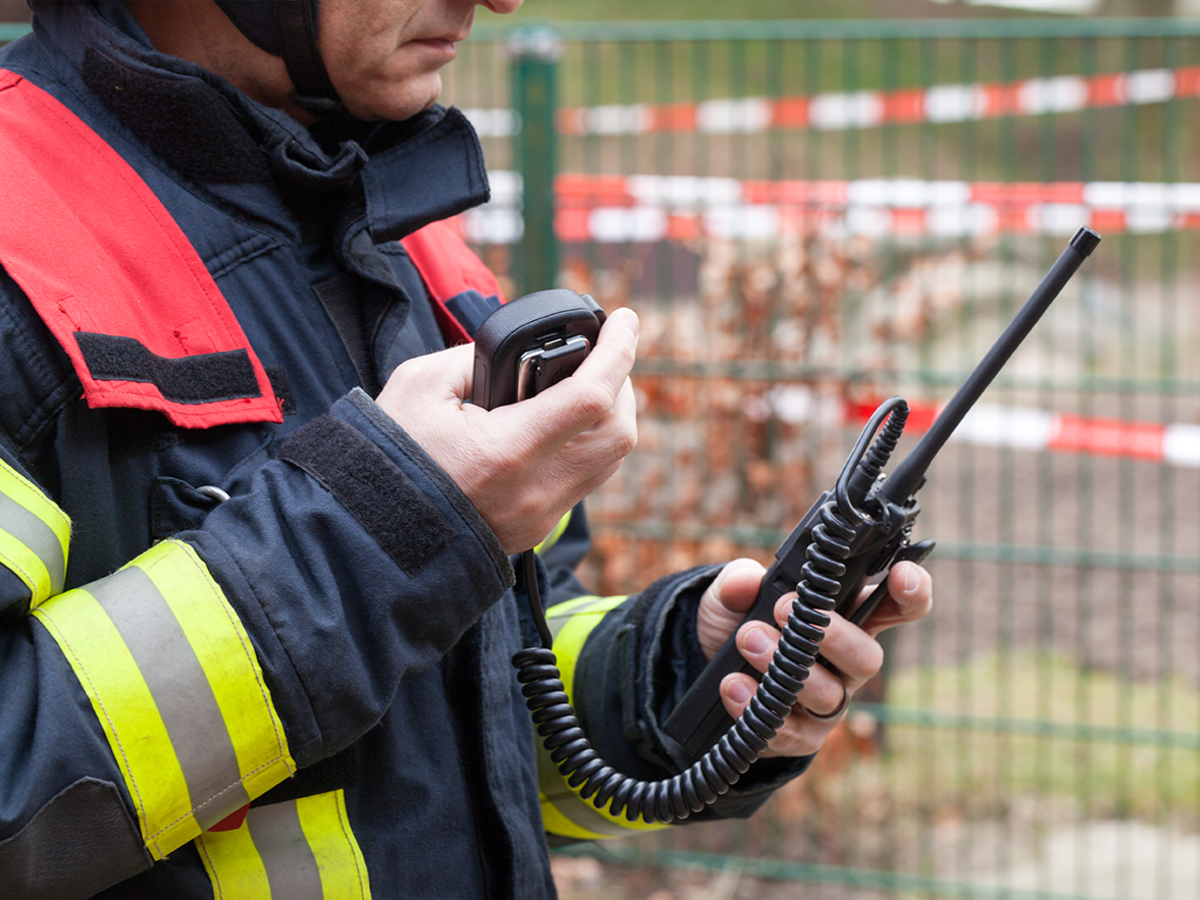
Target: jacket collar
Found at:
x=406, y=173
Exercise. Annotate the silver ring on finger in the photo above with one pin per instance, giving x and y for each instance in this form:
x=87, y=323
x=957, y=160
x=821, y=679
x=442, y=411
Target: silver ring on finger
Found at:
x=837, y=713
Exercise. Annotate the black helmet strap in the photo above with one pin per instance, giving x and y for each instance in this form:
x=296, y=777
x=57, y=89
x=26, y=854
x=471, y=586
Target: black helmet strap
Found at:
x=288, y=28
x=297, y=24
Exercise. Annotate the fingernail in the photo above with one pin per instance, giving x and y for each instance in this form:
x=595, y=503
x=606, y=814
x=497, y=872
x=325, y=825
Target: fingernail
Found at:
x=912, y=579
x=739, y=693
x=632, y=322
x=757, y=643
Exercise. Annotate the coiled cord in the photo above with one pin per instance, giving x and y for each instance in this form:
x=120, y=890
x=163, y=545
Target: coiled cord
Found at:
x=864, y=465
x=724, y=763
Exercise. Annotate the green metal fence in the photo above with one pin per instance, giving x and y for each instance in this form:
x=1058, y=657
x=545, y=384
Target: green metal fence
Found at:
x=809, y=217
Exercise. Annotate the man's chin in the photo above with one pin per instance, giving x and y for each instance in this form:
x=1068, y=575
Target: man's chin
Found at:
x=405, y=102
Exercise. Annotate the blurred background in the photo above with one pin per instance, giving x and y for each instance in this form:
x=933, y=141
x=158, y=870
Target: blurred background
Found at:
x=814, y=206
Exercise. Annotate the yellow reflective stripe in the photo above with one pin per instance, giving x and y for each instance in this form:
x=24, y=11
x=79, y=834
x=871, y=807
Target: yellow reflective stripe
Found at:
x=571, y=623
x=561, y=808
x=122, y=702
x=34, y=535
x=177, y=688
x=230, y=665
x=326, y=825
x=299, y=850
x=233, y=864
x=552, y=538
x=564, y=812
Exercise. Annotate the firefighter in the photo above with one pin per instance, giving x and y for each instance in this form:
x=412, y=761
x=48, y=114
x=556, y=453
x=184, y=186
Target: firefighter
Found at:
x=256, y=588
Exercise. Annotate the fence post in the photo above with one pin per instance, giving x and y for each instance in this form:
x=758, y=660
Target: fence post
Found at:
x=535, y=54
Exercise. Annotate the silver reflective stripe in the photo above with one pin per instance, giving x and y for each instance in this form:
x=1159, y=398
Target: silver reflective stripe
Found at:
x=292, y=869
x=558, y=617
x=37, y=536
x=176, y=680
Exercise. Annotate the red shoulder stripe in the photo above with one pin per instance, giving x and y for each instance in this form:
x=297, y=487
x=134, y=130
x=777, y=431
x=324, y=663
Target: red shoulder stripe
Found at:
x=449, y=267
x=97, y=253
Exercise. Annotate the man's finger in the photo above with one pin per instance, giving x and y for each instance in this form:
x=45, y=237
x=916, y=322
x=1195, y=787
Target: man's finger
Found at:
x=737, y=584
x=851, y=651
x=910, y=597
x=725, y=602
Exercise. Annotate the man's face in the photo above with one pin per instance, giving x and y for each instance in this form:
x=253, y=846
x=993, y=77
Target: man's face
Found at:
x=384, y=56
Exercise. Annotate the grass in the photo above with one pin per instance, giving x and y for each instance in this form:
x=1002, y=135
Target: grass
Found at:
x=1110, y=747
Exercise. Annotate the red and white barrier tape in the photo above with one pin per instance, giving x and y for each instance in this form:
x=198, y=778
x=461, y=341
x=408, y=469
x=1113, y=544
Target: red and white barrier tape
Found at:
x=685, y=192
x=865, y=109
x=1002, y=426
x=651, y=208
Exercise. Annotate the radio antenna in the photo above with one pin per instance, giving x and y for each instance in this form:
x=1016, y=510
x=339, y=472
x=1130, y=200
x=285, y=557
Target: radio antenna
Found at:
x=908, y=475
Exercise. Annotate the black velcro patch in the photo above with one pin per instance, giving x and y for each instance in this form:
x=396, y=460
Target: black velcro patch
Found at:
x=204, y=378
x=375, y=490
x=153, y=105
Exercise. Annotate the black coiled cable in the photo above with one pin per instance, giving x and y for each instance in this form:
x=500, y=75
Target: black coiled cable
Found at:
x=724, y=763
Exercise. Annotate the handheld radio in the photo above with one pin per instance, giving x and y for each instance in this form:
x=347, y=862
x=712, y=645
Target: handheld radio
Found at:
x=527, y=345
x=858, y=529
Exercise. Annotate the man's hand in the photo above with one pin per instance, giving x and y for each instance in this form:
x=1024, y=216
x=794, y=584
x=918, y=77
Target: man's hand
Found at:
x=852, y=650
x=525, y=465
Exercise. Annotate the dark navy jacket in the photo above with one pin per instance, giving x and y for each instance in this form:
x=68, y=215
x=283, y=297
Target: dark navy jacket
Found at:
x=383, y=621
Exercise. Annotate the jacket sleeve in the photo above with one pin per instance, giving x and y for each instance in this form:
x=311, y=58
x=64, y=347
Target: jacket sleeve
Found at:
x=142, y=708
x=626, y=662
